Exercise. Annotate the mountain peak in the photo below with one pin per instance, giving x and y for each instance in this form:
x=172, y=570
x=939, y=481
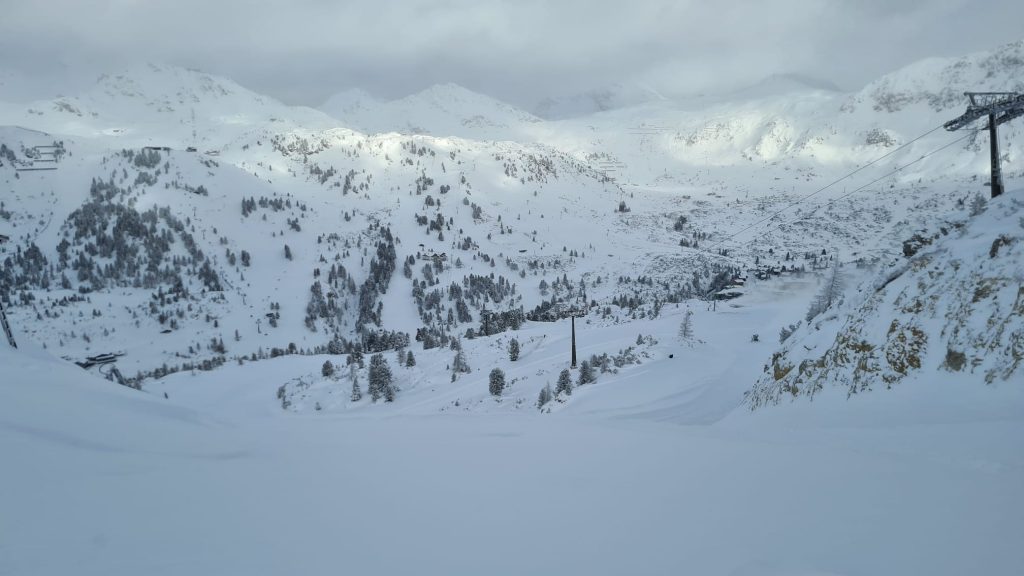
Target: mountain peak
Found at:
x=447, y=94
x=169, y=82
x=347, y=102
x=600, y=99
x=782, y=83
x=940, y=83
x=445, y=109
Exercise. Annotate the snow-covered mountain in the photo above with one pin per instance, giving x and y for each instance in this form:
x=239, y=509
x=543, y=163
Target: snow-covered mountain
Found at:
x=158, y=105
x=440, y=110
x=813, y=127
x=649, y=139
x=285, y=231
x=589, y=102
x=781, y=84
x=356, y=326
x=938, y=84
x=350, y=104
x=952, y=310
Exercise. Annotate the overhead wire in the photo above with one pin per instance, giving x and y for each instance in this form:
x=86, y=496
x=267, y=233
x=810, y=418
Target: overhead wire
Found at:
x=842, y=178
x=879, y=179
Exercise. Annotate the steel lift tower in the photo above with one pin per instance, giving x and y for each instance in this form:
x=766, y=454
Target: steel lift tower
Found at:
x=3, y=315
x=1000, y=107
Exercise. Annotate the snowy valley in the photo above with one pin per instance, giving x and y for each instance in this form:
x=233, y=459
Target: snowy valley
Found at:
x=343, y=336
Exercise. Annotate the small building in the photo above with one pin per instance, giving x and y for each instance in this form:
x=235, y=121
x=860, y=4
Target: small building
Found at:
x=727, y=293
x=435, y=257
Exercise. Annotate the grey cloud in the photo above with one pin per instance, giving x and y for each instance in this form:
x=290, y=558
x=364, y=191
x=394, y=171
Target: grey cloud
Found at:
x=301, y=51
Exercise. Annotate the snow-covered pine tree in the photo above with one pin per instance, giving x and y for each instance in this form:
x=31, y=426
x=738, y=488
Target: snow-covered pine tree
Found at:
x=686, y=327
x=564, y=383
x=381, y=382
x=334, y=347
x=787, y=331
x=545, y=396
x=410, y=360
x=586, y=373
x=513, y=350
x=357, y=393
x=978, y=204
x=327, y=370
x=459, y=364
x=496, y=382
x=829, y=293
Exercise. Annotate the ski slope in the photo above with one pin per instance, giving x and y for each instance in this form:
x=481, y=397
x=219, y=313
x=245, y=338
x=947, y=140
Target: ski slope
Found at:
x=218, y=479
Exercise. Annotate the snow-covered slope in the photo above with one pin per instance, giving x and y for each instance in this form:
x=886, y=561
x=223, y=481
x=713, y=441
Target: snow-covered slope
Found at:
x=153, y=105
x=441, y=110
x=590, y=102
x=286, y=232
x=785, y=118
x=781, y=84
x=939, y=83
x=216, y=479
x=818, y=128
x=953, y=311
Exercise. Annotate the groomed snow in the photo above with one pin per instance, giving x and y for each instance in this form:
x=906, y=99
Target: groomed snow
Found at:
x=217, y=479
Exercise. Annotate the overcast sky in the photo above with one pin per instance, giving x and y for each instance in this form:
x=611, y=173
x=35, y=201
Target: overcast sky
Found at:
x=301, y=51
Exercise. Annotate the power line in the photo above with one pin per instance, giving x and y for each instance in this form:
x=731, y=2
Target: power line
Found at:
x=838, y=180
x=879, y=179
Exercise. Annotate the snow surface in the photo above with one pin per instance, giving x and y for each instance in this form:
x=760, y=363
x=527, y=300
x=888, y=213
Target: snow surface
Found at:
x=217, y=479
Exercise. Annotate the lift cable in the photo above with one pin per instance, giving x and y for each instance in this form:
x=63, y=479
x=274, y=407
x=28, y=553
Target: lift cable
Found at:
x=877, y=180
x=838, y=180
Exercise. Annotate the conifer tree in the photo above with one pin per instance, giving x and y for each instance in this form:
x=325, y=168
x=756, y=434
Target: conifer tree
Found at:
x=357, y=393
x=513, y=350
x=686, y=326
x=459, y=364
x=497, y=382
x=586, y=373
x=545, y=396
x=564, y=383
x=381, y=382
x=831, y=291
